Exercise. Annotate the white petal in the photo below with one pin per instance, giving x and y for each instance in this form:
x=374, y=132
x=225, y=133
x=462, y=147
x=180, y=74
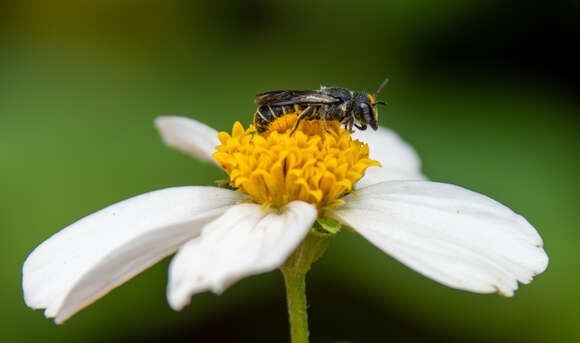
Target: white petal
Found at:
x=84, y=261
x=460, y=238
x=398, y=159
x=188, y=136
x=244, y=241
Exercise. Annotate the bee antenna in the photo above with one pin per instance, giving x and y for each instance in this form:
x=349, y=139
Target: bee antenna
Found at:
x=380, y=87
x=381, y=103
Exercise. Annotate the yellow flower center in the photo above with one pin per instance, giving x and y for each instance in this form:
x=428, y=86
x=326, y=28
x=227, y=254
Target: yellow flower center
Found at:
x=313, y=164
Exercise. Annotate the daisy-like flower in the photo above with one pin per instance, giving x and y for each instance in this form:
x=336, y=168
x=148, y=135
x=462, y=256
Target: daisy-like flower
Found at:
x=282, y=183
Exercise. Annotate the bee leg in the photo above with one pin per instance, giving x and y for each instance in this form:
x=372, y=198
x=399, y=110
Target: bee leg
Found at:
x=325, y=127
x=343, y=122
x=349, y=125
x=302, y=115
x=346, y=122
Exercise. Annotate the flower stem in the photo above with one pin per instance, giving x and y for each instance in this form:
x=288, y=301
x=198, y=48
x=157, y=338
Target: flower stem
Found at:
x=297, y=312
x=294, y=271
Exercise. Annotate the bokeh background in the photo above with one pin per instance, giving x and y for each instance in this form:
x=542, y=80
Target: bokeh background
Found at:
x=486, y=91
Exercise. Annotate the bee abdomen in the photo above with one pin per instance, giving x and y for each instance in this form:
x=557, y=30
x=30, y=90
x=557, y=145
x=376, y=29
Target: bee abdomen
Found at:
x=263, y=116
x=266, y=114
x=260, y=123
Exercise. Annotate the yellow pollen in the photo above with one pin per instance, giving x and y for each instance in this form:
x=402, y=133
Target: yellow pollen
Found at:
x=312, y=165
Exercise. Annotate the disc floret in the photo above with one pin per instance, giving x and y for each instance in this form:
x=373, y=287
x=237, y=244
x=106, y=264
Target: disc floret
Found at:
x=314, y=164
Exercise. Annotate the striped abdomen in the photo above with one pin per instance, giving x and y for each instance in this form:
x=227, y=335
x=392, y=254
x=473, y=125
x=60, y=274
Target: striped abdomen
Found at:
x=266, y=114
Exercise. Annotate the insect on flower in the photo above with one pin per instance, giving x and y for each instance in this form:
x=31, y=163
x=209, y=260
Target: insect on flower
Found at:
x=284, y=183
x=348, y=107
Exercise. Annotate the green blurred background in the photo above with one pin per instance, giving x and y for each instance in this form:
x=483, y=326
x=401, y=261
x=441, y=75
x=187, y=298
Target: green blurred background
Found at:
x=486, y=91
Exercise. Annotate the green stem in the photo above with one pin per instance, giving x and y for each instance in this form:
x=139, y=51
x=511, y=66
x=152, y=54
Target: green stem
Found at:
x=297, y=313
x=294, y=271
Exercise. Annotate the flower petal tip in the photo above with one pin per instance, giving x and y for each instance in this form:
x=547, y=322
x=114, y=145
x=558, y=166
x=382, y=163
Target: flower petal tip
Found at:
x=188, y=136
x=176, y=300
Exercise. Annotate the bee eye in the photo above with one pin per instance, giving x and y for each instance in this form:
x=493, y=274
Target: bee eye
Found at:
x=363, y=108
x=365, y=112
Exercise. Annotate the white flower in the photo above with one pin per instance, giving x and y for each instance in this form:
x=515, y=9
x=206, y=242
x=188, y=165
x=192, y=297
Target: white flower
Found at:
x=457, y=237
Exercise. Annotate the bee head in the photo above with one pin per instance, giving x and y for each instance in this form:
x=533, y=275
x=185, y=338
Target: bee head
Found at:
x=365, y=111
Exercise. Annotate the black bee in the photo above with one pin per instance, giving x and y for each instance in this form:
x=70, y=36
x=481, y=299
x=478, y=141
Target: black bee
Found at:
x=345, y=106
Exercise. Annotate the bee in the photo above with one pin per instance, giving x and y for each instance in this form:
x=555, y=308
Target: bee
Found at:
x=348, y=107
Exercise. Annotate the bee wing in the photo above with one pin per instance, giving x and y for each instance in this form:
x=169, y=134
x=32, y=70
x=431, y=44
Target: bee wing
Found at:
x=293, y=97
